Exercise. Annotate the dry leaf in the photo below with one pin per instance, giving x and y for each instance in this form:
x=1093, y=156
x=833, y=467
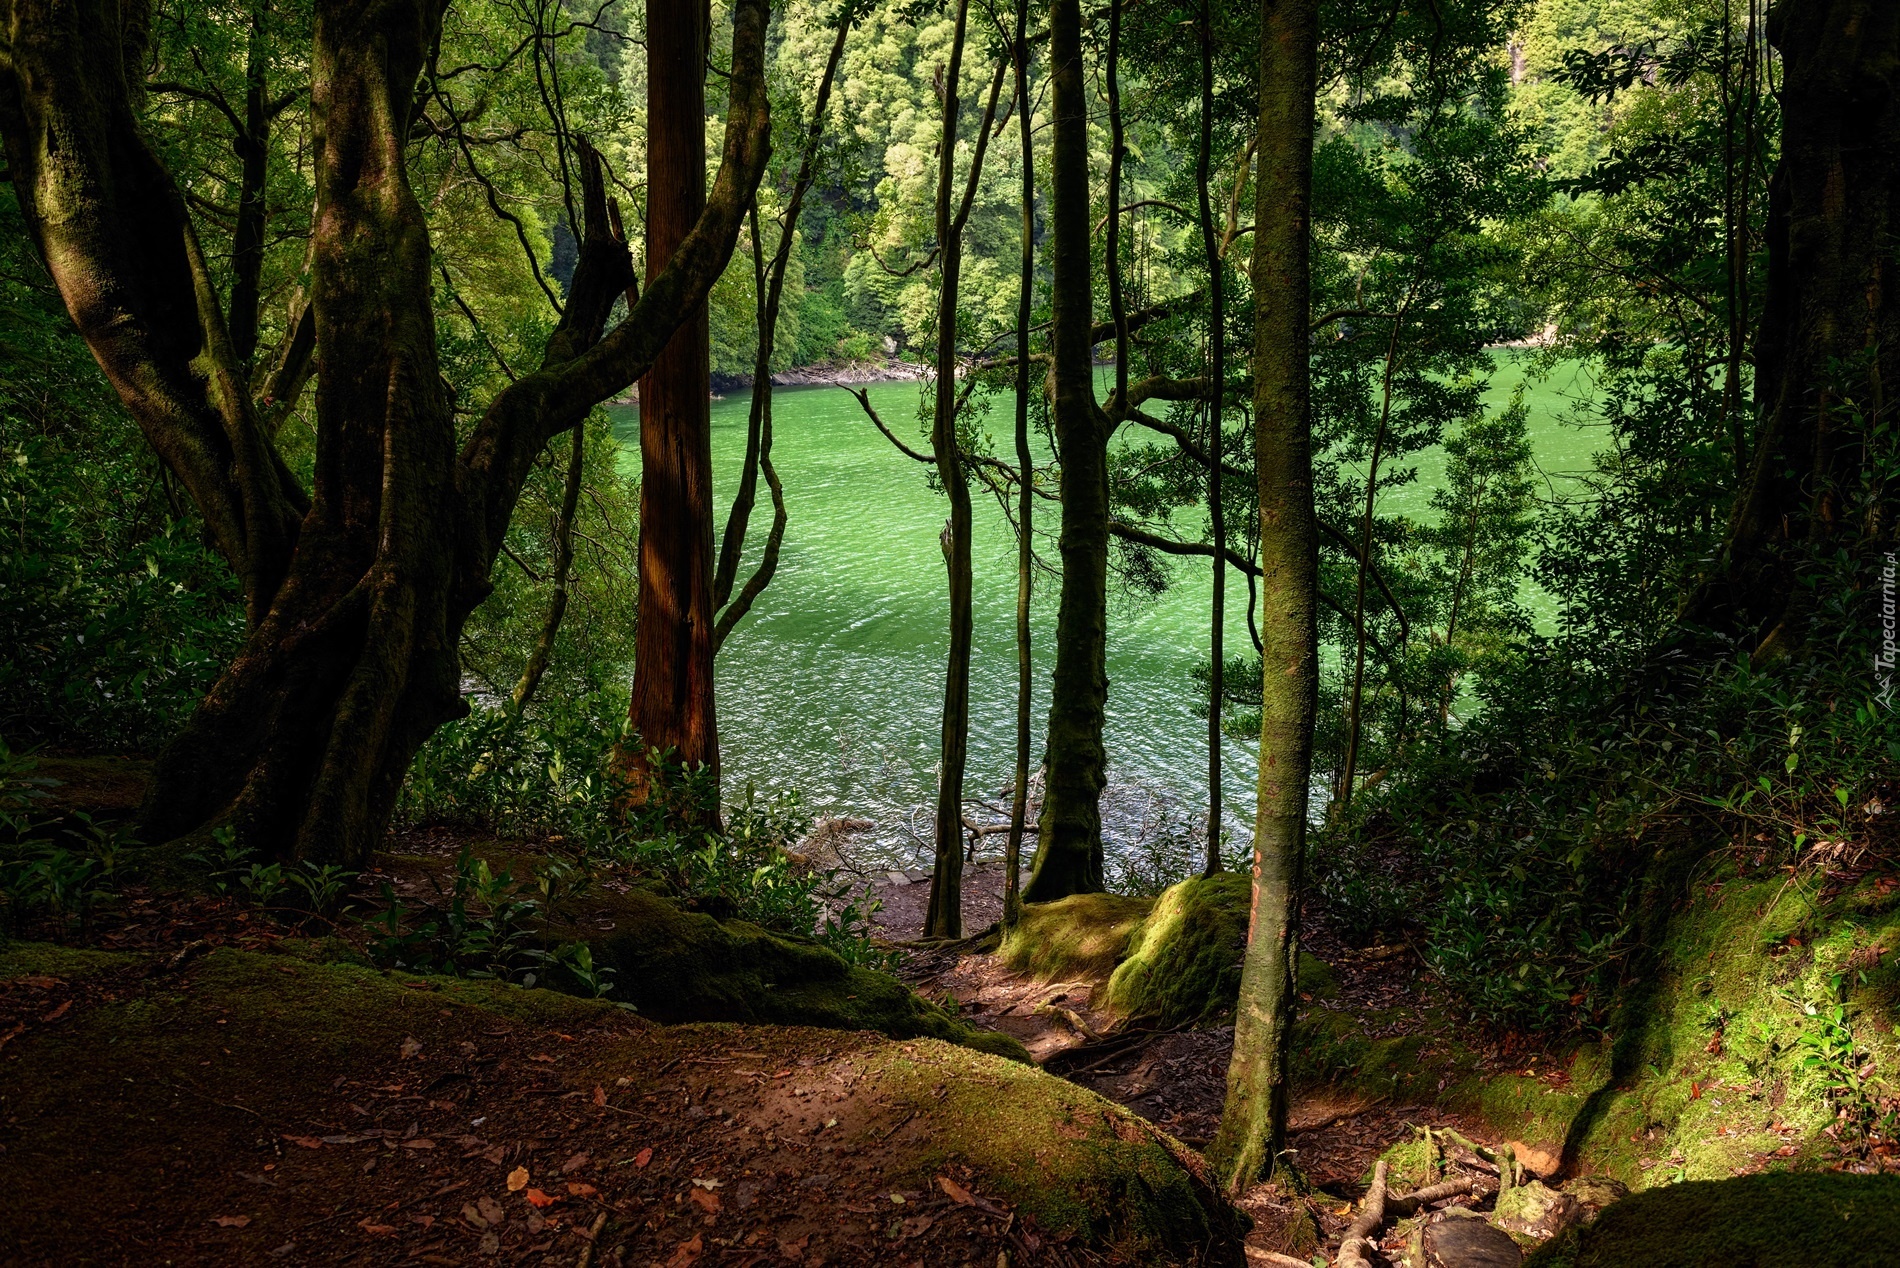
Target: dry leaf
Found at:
x=792, y=1248
x=368, y=1225
x=59, y=1012
x=540, y=1056
x=580, y=1190
x=686, y=1252
x=517, y=1179
x=496, y=1154
x=539, y=1198
x=42, y=983
x=427, y=1221
x=600, y=1094
x=410, y=1047
x=230, y=1221
x=308, y=1142
x=957, y=1193
x=491, y=1211
x=642, y=1158
x=420, y=1142
x=573, y=1164
x=706, y=1200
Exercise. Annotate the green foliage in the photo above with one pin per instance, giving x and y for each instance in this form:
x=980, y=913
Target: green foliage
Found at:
x=52, y=873
x=544, y=774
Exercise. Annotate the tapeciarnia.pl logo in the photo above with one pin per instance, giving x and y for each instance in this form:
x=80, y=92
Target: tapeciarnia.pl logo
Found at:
x=1884, y=655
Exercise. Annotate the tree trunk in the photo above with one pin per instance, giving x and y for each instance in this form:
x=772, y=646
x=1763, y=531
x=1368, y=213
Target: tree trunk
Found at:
x=351, y=660
x=770, y=288
x=1025, y=466
x=1069, y=844
x=1830, y=331
x=1252, y=1133
x=1217, y=452
x=253, y=149
x=563, y=563
x=672, y=706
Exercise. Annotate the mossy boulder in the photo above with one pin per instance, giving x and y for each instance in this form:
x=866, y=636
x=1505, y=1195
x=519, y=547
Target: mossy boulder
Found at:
x=680, y=966
x=1787, y=1220
x=214, y=1110
x=1076, y=939
x=1182, y=963
x=1171, y=960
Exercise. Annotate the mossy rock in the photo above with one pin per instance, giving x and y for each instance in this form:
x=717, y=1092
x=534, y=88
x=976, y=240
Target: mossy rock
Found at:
x=680, y=966
x=1786, y=1220
x=177, y=1095
x=1172, y=960
x=1076, y=939
x=1182, y=963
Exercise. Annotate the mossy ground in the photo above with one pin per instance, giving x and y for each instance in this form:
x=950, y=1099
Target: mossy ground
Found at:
x=1765, y=1221
x=243, y=1102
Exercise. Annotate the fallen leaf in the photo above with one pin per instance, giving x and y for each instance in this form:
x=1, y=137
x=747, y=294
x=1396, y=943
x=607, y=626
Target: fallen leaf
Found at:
x=956, y=1192
x=368, y=1225
x=427, y=1221
x=59, y=1012
x=473, y=1216
x=573, y=1164
x=539, y=1198
x=783, y=1074
x=230, y=1221
x=42, y=983
x=642, y=1158
x=410, y=1047
x=708, y=1185
x=579, y=1190
x=490, y=1210
x=1695, y=1091
x=686, y=1252
x=496, y=1154
x=540, y=1056
x=420, y=1142
x=308, y=1142
x=600, y=1094
x=517, y=1179
x=706, y=1200
x=792, y=1248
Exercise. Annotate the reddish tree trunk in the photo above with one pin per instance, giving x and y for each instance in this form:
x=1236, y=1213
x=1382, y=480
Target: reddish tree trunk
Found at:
x=672, y=705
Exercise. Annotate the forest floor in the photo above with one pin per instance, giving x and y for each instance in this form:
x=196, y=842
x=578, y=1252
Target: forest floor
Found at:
x=1178, y=1080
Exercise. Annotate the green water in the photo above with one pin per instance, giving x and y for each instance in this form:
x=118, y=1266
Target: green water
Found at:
x=832, y=685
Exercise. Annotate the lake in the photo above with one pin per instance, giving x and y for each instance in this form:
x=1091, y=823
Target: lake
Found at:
x=831, y=687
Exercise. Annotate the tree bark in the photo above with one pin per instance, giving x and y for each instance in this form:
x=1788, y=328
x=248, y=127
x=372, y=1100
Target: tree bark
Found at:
x=1069, y=841
x=1829, y=342
x=1025, y=467
x=671, y=711
x=1252, y=1133
x=351, y=660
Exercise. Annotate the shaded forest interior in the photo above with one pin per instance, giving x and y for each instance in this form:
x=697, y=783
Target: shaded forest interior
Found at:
x=1478, y=856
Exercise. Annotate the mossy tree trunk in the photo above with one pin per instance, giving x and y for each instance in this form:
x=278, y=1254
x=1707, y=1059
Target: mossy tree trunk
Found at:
x=1069, y=841
x=671, y=711
x=1252, y=1133
x=1829, y=343
x=356, y=592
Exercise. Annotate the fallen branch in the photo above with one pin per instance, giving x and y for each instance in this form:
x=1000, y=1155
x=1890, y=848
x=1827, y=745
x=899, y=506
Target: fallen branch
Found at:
x=1362, y=1237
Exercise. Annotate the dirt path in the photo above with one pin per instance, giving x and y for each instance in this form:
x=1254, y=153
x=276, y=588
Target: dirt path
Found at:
x=1178, y=1081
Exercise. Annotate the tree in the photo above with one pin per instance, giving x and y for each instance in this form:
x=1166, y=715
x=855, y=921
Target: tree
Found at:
x=1829, y=342
x=1252, y=1133
x=355, y=591
x=1069, y=841
x=1025, y=471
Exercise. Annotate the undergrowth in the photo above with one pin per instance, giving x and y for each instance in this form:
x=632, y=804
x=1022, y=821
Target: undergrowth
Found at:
x=544, y=774
x=1534, y=849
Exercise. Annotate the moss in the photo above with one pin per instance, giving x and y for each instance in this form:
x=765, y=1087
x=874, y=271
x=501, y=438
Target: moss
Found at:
x=43, y=959
x=1182, y=963
x=1767, y=1221
x=1080, y=938
x=204, y=1067
x=1076, y=1163
x=680, y=966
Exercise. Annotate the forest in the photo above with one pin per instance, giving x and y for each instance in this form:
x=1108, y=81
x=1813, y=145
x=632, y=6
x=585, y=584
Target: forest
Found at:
x=950, y=632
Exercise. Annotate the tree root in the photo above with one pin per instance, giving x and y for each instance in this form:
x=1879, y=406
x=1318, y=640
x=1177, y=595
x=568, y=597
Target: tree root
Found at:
x=1362, y=1237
